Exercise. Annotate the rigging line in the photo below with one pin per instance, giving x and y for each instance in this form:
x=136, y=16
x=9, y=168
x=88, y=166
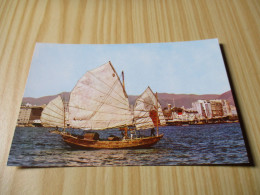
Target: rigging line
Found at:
x=105, y=99
x=146, y=120
x=118, y=79
x=144, y=128
x=102, y=111
x=112, y=127
x=153, y=98
x=148, y=125
x=53, y=122
x=143, y=121
x=151, y=122
x=148, y=99
x=52, y=125
x=47, y=108
x=160, y=112
x=141, y=117
x=110, y=104
x=143, y=114
x=104, y=122
x=57, y=106
x=97, y=120
x=52, y=116
x=104, y=103
x=152, y=104
x=105, y=83
x=143, y=111
x=125, y=103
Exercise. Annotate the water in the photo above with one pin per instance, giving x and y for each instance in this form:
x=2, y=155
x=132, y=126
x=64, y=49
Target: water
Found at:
x=189, y=145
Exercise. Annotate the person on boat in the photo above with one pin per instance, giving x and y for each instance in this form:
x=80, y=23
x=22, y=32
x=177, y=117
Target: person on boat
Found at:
x=122, y=133
x=152, y=132
x=132, y=134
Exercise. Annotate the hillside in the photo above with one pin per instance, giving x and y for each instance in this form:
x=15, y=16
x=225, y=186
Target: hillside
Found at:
x=164, y=98
x=187, y=99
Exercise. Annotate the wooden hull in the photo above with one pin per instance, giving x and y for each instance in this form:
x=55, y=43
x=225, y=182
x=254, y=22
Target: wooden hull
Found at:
x=144, y=142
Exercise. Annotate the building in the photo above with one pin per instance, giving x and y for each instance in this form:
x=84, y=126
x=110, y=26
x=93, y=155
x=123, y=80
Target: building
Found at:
x=35, y=114
x=29, y=115
x=226, y=108
x=203, y=107
x=212, y=108
x=24, y=115
x=180, y=114
x=216, y=108
x=233, y=110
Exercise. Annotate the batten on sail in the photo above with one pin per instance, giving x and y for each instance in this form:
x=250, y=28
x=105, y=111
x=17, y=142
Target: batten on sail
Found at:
x=53, y=114
x=145, y=111
x=99, y=101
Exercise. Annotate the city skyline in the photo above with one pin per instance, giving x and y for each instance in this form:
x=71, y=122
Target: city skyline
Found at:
x=194, y=67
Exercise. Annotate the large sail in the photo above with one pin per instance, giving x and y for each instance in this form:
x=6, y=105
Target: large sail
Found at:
x=53, y=114
x=99, y=101
x=145, y=111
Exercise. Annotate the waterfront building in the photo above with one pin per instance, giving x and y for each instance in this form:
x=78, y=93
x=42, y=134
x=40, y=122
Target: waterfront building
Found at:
x=216, y=108
x=226, y=108
x=36, y=112
x=208, y=110
x=24, y=115
x=203, y=107
x=212, y=108
x=29, y=115
x=180, y=114
x=233, y=110
x=167, y=112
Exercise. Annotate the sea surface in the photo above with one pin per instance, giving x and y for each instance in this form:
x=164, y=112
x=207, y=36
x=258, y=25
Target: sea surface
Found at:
x=215, y=144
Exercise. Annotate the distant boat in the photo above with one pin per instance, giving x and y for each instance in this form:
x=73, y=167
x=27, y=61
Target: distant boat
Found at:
x=99, y=102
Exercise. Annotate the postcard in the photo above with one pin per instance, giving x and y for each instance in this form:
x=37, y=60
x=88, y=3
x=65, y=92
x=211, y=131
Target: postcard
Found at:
x=152, y=104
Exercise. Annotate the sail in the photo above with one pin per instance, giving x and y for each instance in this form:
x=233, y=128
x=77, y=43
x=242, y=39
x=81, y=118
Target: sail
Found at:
x=145, y=111
x=53, y=114
x=99, y=101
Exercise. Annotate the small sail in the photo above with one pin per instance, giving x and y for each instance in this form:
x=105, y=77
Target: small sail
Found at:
x=99, y=101
x=53, y=114
x=145, y=111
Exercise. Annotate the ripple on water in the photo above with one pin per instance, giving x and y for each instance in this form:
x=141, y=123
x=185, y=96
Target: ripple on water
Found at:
x=208, y=144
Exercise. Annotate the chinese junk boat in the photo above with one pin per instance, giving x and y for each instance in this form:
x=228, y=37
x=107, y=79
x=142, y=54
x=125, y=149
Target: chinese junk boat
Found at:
x=99, y=102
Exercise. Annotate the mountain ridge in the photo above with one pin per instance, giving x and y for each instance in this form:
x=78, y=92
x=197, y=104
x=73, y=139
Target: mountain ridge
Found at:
x=164, y=98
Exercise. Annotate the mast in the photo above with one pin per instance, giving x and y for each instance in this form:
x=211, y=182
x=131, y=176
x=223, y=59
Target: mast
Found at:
x=157, y=117
x=123, y=78
x=64, y=118
x=123, y=83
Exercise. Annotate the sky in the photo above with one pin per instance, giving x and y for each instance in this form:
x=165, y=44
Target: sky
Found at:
x=192, y=67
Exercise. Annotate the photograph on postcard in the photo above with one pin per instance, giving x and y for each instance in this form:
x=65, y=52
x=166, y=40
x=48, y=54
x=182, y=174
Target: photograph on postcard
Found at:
x=151, y=104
